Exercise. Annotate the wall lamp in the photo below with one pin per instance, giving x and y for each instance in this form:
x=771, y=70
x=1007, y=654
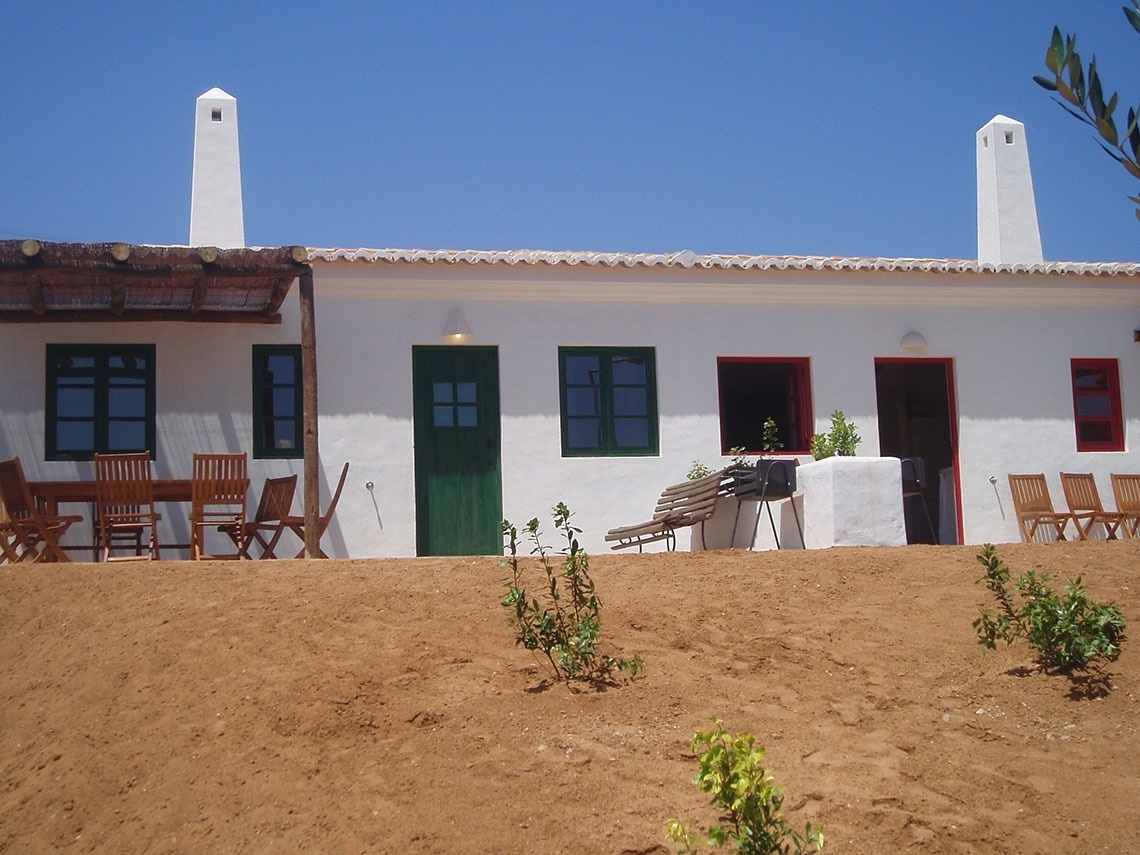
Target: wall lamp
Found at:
x=913, y=342
x=455, y=329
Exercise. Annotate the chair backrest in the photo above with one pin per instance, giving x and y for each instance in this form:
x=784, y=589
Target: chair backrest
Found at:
x=1080, y=492
x=7, y=545
x=913, y=475
x=1126, y=489
x=327, y=515
x=1030, y=494
x=691, y=502
x=123, y=482
x=219, y=479
x=276, y=499
x=14, y=491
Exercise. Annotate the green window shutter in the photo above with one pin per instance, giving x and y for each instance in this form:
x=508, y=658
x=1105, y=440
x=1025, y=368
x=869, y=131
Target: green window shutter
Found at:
x=99, y=398
x=608, y=401
x=277, y=401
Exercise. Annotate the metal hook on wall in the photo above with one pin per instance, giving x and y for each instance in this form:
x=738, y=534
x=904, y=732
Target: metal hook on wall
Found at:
x=993, y=483
x=371, y=488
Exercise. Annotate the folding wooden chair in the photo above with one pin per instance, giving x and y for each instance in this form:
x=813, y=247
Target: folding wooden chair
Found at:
x=1083, y=500
x=269, y=519
x=1034, y=509
x=8, y=552
x=29, y=534
x=218, y=487
x=297, y=524
x=125, y=501
x=1126, y=489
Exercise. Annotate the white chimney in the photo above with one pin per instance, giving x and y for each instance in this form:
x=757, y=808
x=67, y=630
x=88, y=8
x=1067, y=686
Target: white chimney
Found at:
x=1007, y=211
x=215, y=200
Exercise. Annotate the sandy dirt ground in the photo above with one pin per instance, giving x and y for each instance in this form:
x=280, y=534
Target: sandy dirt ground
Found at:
x=382, y=706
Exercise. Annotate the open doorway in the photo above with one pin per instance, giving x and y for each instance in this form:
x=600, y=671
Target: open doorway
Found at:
x=917, y=420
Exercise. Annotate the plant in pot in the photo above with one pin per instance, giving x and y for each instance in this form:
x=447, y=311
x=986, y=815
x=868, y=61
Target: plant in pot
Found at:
x=770, y=478
x=841, y=441
x=850, y=500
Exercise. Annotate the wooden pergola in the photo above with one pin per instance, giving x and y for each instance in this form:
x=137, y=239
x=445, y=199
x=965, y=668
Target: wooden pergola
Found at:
x=48, y=282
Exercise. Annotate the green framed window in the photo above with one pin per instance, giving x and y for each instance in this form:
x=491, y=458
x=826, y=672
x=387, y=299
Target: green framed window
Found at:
x=99, y=399
x=277, y=427
x=608, y=401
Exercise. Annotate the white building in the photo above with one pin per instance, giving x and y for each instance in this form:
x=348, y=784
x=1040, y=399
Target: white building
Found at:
x=595, y=379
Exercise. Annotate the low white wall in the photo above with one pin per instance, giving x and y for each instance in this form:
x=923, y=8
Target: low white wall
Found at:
x=852, y=501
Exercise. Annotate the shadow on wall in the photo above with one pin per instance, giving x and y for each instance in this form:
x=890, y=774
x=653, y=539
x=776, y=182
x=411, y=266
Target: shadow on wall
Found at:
x=181, y=435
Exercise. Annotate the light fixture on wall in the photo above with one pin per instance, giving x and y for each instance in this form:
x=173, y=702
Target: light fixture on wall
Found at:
x=913, y=342
x=456, y=329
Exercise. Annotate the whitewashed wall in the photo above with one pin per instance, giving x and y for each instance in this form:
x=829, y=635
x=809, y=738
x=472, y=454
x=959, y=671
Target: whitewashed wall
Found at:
x=1010, y=339
x=1010, y=357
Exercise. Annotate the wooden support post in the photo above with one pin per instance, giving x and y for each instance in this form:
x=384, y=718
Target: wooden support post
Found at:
x=312, y=488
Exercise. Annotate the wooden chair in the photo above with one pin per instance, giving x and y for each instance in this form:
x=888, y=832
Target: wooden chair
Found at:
x=125, y=502
x=1126, y=489
x=218, y=487
x=679, y=506
x=29, y=535
x=1083, y=500
x=269, y=518
x=297, y=524
x=1034, y=509
x=914, y=487
x=8, y=552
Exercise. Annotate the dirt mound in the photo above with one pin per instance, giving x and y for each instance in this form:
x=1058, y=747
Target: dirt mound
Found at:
x=381, y=705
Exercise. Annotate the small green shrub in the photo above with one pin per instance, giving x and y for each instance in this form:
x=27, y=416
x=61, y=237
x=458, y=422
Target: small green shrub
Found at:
x=1067, y=630
x=567, y=627
x=751, y=805
x=770, y=437
x=841, y=441
x=698, y=470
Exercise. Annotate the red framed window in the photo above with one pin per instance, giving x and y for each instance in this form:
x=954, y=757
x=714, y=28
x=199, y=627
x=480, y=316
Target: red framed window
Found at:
x=753, y=389
x=1096, y=405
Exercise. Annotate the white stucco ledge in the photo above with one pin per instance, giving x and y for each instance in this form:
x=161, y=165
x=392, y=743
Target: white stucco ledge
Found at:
x=852, y=501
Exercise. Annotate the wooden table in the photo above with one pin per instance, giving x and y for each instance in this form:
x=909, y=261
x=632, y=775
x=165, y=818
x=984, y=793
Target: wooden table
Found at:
x=52, y=494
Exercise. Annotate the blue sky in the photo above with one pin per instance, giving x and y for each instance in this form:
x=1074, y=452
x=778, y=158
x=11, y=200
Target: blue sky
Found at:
x=823, y=128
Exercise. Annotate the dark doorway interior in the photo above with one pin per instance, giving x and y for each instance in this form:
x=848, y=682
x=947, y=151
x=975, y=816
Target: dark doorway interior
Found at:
x=916, y=420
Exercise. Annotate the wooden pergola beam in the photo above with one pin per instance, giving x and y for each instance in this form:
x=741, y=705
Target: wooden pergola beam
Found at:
x=36, y=296
x=197, y=295
x=88, y=316
x=118, y=297
x=278, y=295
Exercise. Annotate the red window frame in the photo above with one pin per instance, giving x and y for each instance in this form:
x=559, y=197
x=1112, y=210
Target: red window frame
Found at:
x=795, y=408
x=1097, y=415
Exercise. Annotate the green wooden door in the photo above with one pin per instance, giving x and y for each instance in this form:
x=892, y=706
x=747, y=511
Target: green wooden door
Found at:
x=459, y=492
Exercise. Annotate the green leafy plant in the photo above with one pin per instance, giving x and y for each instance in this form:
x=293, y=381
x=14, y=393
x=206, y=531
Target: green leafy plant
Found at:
x=698, y=470
x=1068, y=630
x=566, y=627
x=1082, y=96
x=751, y=818
x=770, y=437
x=841, y=441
